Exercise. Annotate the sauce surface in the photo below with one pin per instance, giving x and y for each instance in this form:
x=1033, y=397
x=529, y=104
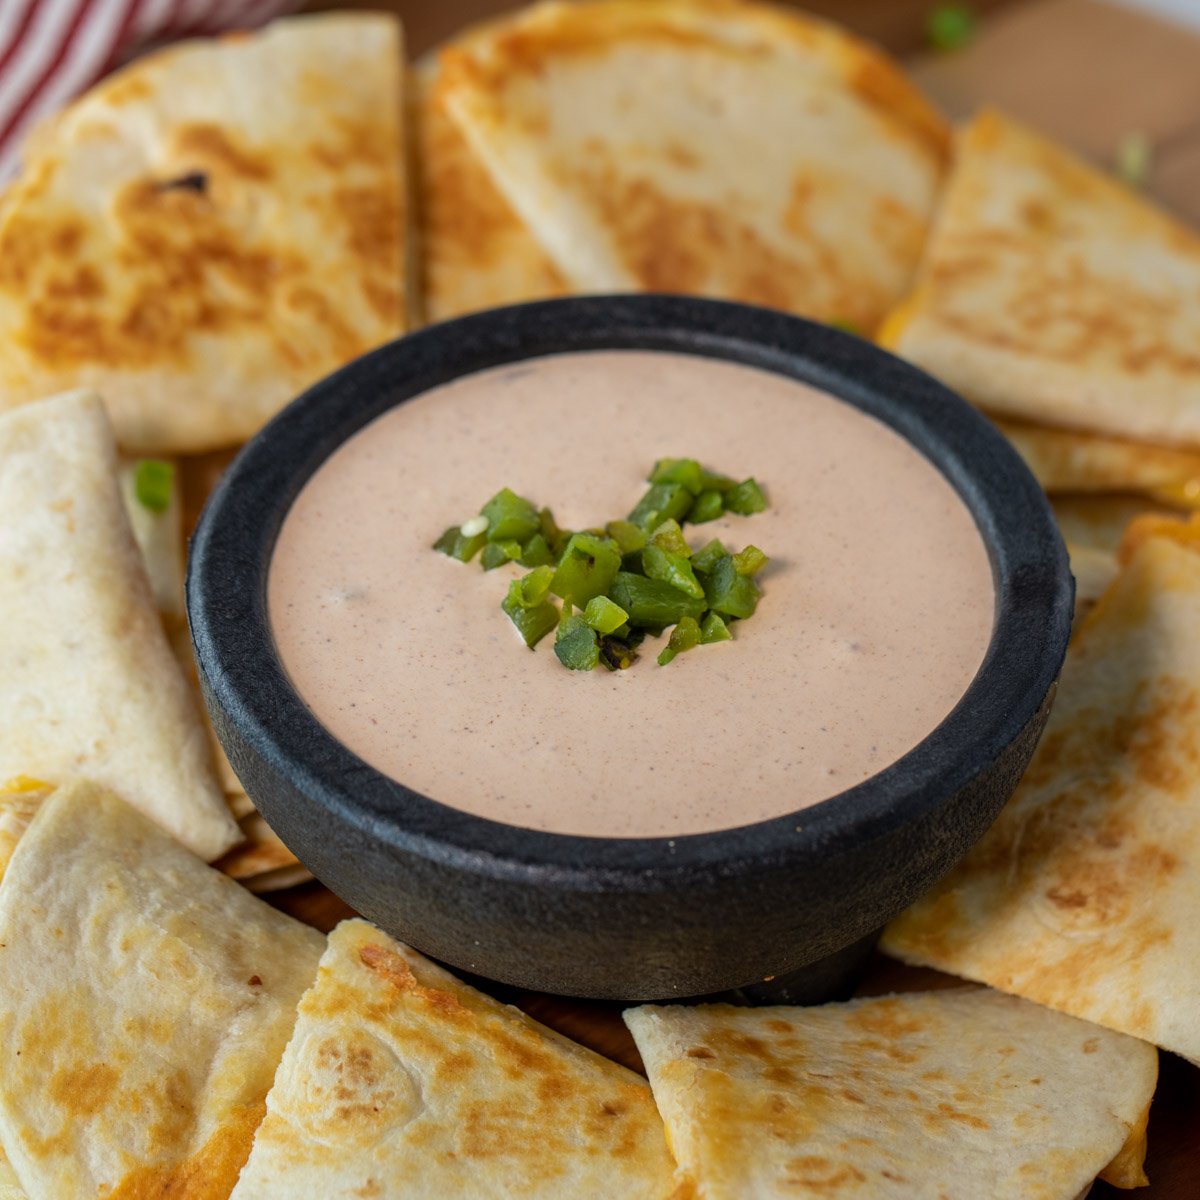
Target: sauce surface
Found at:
x=876, y=612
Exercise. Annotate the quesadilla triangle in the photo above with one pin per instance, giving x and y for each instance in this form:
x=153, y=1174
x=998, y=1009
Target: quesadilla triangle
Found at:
x=10, y=1186
x=88, y=684
x=142, y=1014
x=1083, y=895
x=1052, y=292
x=704, y=146
x=401, y=1081
x=476, y=252
x=1067, y=461
x=210, y=230
x=959, y=1093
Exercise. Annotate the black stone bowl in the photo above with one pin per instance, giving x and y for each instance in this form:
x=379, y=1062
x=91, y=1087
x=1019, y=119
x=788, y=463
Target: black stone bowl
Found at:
x=622, y=918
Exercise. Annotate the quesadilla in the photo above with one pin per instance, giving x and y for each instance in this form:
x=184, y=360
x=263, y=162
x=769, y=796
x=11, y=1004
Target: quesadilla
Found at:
x=1083, y=895
x=402, y=1081
x=1100, y=521
x=210, y=230
x=704, y=146
x=1053, y=293
x=142, y=1014
x=10, y=1186
x=157, y=528
x=88, y=685
x=261, y=862
x=476, y=252
x=962, y=1093
x=1094, y=570
x=1065, y=461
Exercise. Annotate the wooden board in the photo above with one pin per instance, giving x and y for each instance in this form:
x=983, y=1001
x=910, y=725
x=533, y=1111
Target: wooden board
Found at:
x=1089, y=73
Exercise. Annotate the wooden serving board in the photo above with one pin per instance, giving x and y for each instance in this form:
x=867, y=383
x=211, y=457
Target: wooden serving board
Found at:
x=1089, y=73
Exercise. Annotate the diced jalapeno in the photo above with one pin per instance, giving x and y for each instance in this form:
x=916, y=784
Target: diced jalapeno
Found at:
x=587, y=568
x=671, y=568
x=629, y=538
x=496, y=554
x=577, y=645
x=707, y=506
x=651, y=603
x=510, y=517
x=663, y=502
x=731, y=594
x=533, y=588
x=453, y=543
x=745, y=499
x=685, y=471
x=670, y=538
x=556, y=538
x=708, y=556
x=153, y=483
x=749, y=561
x=684, y=636
x=714, y=629
x=603, y=615
x=533, y=620
x=616, y=654
x=536, y=553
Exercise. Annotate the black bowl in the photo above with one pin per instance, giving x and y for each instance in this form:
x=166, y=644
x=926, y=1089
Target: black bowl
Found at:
x=631, y=918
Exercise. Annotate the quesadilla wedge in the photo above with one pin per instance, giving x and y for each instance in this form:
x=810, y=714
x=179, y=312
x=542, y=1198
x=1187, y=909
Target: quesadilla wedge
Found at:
x=704, y=146
x=10, y=1186
x=959, y=1093
x=476, y=252
x=1066, y=461
x=88, y=685
x=1083, y=895
x=142, y=1013
x=210, y=230
x=402, y=1081
x=1053, y=293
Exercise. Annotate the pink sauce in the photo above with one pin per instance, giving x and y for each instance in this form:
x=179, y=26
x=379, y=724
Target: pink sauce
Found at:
x=876, y=613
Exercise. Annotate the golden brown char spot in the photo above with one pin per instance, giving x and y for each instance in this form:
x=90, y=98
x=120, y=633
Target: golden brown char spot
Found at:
x=208, y=1175
x=820, y=1174
x=83, y=1091
x=210, y=145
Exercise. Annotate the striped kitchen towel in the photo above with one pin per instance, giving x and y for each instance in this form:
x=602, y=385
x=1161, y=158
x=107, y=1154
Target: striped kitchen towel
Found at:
x=51, y=50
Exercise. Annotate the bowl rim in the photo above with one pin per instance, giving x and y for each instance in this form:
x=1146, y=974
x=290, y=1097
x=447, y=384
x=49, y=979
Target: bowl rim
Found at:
x=245, y=680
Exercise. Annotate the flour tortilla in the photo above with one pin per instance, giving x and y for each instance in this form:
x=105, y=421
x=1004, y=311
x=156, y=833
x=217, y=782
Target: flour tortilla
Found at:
x=1054, y=293
x=958, y=1093
x=402, y=1081
x=210, y=230
x=159, y=537
x=1066, y=461
x=10, y=1186
x=88, y=686
x=1083, y=896
x=704, y=146
x=476, y=252
x=1100, y=521
x=1094, y=571
x=262, y=862
x=144, y=1011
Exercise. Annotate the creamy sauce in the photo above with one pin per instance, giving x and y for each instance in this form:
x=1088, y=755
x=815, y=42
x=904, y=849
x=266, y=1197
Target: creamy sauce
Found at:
x=876, y=613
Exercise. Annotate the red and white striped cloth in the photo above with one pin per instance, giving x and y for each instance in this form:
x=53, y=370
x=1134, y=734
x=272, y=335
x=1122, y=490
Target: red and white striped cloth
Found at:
x=51, y=50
